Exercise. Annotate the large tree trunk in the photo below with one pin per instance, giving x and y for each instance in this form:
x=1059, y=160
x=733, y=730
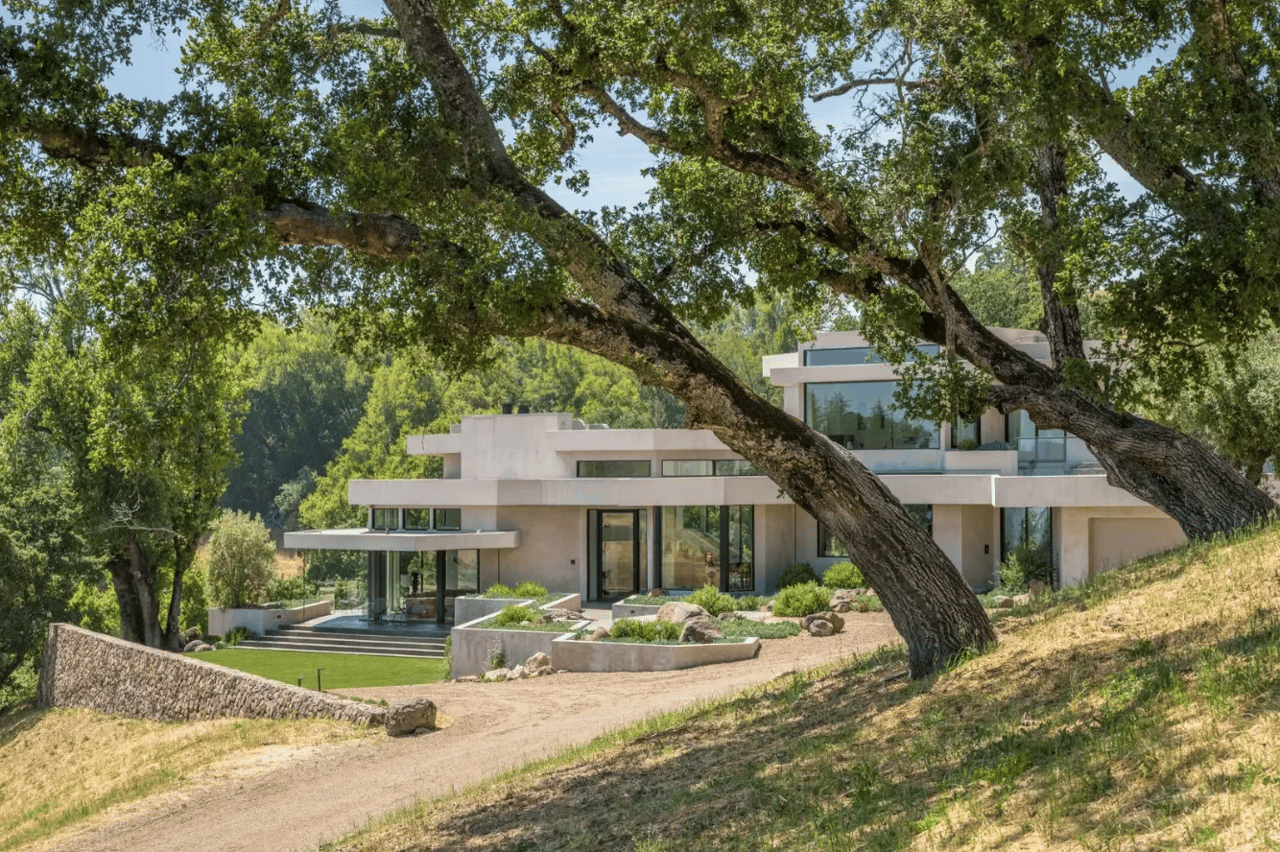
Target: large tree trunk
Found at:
x=135, y=586
x=930, y=603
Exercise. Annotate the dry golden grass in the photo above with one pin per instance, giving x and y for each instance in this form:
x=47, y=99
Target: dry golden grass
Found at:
x=64, y=766
x=1137, y=713
x=289, y=564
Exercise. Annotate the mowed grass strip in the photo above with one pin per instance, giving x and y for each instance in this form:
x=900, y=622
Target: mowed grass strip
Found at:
x=340, y=671
x=59, y=768
x=1139, y=712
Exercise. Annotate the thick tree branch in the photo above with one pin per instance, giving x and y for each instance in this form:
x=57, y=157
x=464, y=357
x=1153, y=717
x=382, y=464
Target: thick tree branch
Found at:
x=378, y=235
x=96, y=150
x=845, y=88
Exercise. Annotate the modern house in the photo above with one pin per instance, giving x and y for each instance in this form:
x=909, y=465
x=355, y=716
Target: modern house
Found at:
x=607, y=512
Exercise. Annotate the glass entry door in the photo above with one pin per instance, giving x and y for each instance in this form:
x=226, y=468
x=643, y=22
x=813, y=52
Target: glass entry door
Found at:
x=617, y=552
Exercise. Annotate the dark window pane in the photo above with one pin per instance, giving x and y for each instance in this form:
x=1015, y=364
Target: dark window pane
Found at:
x=386, y=519
x=417, y=519
x=448, y=519
x=683, y=467
x=861, y=416
x=614, y=469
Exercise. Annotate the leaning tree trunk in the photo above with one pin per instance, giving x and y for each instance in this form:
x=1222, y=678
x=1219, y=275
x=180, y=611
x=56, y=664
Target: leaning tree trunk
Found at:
x=930, y=603
x=134, y=582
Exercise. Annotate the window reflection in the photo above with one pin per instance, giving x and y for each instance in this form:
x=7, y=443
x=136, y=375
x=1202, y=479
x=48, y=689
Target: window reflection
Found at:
x=861, y=416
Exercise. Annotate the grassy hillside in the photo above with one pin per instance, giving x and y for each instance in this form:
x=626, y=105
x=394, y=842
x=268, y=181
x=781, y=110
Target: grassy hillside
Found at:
x=1139, y=712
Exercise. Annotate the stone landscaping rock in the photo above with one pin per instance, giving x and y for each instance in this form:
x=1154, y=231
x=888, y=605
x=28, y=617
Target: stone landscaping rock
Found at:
x=192, y=645
x=496, y=674
x=842, y=600
x=835, y=622
x=1003, y=602
x=190, y=634
x=701, y=629
x=1024, y=598
x=678, y=612
x=560, y=615
x=598, y=634
x=657, y=593
x=410, y=717
x=518, y=673
x=538, y=662
x=767, y=606
x=1036, y=588
x=820, y=627
x=202, y=647
x=730, y=616
x=467, y=679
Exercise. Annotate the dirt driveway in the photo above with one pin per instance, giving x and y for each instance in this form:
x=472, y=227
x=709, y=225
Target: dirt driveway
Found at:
x=296, y=799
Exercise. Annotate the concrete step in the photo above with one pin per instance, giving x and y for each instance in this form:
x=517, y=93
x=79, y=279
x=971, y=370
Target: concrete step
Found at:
x=347, y=643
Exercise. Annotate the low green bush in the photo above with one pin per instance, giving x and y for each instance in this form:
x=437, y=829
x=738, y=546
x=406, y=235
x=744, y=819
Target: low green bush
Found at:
x=712, y=600
x=843, y=575
x=803, y=599
x=797, y=573
x=744, y=628
x=645, y=631
x=290, y=589
x=234, y=637
x=499, y=590
x=751, y=602
x=530, y=590
x=515, y=615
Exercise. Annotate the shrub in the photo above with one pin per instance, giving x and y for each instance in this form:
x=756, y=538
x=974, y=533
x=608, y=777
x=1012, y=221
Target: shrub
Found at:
x=290, y=589
x=235, y=636
x=195, y=602
x=803, y=599
x=759, y=629
x=500, y=590
x=339, y=592
x=797, y=573
x=751, y=602
x=516, y=615
x=240, y=560
x=530, y=590
x=1025, y=563
x=645, y=631
x=497, y=657
x=712, y=600
x=843, y=575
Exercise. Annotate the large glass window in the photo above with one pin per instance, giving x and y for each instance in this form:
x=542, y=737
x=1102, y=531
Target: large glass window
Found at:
x=614, y=469
x=856, y=355
x=1034, y=444
x=448, y=519
x=386, y=519
x=703, y=545
x=829, y=545
x=1027, y=536
x=702, y=467
x=965, y=436
x=861, y=416
x=417, y=519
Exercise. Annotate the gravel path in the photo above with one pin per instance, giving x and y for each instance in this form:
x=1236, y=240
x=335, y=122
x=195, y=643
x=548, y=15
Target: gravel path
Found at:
x=296, y=799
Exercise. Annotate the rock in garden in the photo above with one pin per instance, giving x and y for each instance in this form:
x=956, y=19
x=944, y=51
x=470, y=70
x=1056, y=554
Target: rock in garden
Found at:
x=842, y=600
x=598, y=634
x=819, y=627
x=1003, y=602
x=680, y=612
x=538, y=662
x=657, y=593
x=1036, y=588
x=410, y=716
x=560, y=615
x=834, y=621
x=192, y=645
x=518, y=673
x=497, y=674
x=466, y=679
x=1024, y=598
x=730, y=616
x=204, y=646
x=190, y=634
x=701, y=629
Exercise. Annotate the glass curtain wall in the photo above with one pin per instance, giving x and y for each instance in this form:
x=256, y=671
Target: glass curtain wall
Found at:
x=1027, y=534
x=704, y=545
x=861, y=416
x=1034, y=444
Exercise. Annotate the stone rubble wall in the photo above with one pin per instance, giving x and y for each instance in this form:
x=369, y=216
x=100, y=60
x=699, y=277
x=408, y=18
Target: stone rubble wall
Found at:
x=86, y=669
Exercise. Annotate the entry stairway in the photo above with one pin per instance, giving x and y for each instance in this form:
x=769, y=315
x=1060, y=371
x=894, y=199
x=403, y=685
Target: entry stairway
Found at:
x=301, y=637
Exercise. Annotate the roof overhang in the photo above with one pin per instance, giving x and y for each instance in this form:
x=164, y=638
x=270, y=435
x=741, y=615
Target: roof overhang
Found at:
x=402, y=540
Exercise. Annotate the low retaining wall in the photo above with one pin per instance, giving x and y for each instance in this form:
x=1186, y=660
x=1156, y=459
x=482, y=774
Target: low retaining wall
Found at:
x=259, y=621
x=578, y=655
x=622, y=609
x=86, y=669
x=469, y=654
x=473, y=609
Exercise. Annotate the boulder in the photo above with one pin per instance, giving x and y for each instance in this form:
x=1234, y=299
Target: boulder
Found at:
x=1004, y=602
x=410, y=717
x=730, y=616
x=701, y=629
x=203, y=646
x=678, y=612
x=190, y=634
x=1036, y=588
x=1024, y=598
x=518, y=673
x=657, y=593
x=598, y=634
x=497, y=674
x=842, y=600
x=835, y=622
x=820, y=627
x=538, y=662
x=560, y=615
x=192, y=645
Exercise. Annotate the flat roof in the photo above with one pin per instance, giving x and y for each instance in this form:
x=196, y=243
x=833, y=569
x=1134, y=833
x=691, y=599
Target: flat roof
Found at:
x=402, y=540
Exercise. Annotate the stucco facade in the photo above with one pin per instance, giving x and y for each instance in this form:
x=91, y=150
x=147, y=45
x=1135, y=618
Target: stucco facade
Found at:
x=583, y=508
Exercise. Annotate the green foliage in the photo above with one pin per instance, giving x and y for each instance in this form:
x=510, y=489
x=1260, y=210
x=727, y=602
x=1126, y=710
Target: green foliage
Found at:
x=240, y=558
x=843, y=575
x=195, y=598
x=529, y=590
x=712, y=600
x=516, y=615
x=290, y=589
x=497, y=657
x=645, y=631
x=745, y=627
x=802, y=599
x=234, y=637
x=1027, y=562
x=94, y=607
x=796, y=573
x=751, y=602
x=499, y=590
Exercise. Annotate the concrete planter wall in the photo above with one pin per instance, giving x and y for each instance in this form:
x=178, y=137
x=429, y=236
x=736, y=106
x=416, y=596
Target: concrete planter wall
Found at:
x=470, y=609
x=259, y=621
x=577, y=655
x=622, y=609
x=472, y=645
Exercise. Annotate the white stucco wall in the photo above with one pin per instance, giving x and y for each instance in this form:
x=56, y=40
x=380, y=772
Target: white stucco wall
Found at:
x=1123, y=534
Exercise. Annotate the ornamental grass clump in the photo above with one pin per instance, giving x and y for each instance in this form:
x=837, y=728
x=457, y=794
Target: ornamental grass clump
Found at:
x=712, y=600
x=530, y=590
x=517, y=615
x=500, y=590
x=804, y=599
x=843, y=575
x=645, y=631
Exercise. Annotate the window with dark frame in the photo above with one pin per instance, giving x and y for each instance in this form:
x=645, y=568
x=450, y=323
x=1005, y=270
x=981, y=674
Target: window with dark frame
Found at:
x=615, y=469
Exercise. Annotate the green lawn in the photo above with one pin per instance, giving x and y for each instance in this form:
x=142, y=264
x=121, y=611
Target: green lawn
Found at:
x=341, y=671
